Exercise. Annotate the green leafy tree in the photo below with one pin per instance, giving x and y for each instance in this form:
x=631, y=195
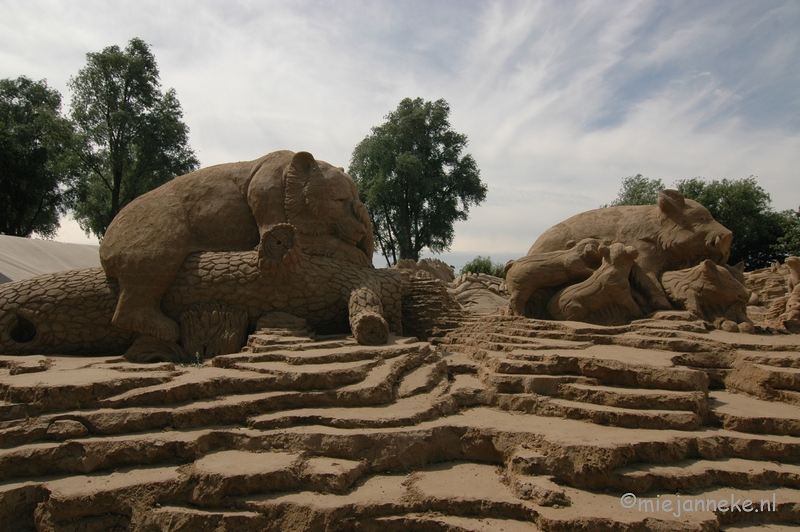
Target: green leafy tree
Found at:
x=35, y=143
x=414, y=180
x=638, y=190
x=481, y=264
x=789, y=243
x=745, y=208
x=135, y=139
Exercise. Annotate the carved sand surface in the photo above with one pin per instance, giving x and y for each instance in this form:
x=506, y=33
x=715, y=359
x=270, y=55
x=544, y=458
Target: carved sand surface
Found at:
x=503, y=423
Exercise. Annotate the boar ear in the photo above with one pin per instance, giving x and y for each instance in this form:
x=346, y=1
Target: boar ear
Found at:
x=738, y=267
x=570, y=244
x=671, y=201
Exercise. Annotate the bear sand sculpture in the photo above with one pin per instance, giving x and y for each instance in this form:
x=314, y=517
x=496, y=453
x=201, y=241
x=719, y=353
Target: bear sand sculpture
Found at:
x=228, y=207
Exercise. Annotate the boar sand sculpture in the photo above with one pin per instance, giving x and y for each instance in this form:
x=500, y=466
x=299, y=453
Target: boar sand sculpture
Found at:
x=655, y=257
x=282, y=234
x=674, y=234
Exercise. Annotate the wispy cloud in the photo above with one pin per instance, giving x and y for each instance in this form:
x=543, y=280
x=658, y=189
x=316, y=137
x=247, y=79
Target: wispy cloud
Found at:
x=560, y=100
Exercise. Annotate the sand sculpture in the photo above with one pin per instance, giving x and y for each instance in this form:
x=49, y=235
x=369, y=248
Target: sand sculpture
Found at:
x=791, y=317
x=549, y=269
x=794, y=272
x=674, y=234
x=680, y=255
x=771, y=289
x=228, y=207
x=710, y=292
x=603, y=298
x=71, y=312
x=433, y=267
x=498, y=423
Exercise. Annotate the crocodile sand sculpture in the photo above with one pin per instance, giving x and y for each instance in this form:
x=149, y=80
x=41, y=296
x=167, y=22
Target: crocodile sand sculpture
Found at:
x=71, y=312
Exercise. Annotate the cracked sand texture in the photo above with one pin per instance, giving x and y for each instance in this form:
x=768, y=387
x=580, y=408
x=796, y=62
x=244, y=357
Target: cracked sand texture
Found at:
x=503, y=423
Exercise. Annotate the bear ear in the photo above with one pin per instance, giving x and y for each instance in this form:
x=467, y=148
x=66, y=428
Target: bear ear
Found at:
x=632, y=252
x=303, y=162
x=671, y=201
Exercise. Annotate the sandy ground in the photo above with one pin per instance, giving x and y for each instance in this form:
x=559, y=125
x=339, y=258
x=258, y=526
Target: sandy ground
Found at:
x=502, y=424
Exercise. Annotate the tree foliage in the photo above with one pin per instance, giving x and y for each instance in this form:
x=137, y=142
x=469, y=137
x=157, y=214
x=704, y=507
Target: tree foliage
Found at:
x=414, y=180
x=481, y=264
x=35, y=142
x=789, y=243
x=638, y=190
x=745, y=208
x=134, y=136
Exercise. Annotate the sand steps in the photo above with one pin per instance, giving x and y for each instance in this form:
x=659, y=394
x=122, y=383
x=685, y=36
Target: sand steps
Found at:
x=600, y=414
x=505, y=423
x=223, y=481
x=403, y=412
x=693, y=475
x=748, y=414
x=375, y=388
x=636, y=398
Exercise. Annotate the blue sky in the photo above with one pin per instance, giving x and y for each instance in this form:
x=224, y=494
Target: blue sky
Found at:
x=559, y=100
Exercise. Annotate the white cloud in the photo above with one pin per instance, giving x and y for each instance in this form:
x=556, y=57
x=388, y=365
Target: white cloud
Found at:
x=559, y=100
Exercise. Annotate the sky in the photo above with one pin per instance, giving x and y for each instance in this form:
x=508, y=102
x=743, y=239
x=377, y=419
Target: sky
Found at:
x=559, y=100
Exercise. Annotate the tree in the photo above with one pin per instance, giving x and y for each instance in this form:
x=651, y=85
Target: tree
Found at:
x=135, y=139
x=789, y=243
x=414, y=180
x=35, y=142
x=743, y=207
x=481, y=264
x=638, y=190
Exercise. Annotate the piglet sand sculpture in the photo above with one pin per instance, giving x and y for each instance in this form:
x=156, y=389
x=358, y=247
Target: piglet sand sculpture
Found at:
x=711, y=293
x=605, y=297
x=528, y=275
